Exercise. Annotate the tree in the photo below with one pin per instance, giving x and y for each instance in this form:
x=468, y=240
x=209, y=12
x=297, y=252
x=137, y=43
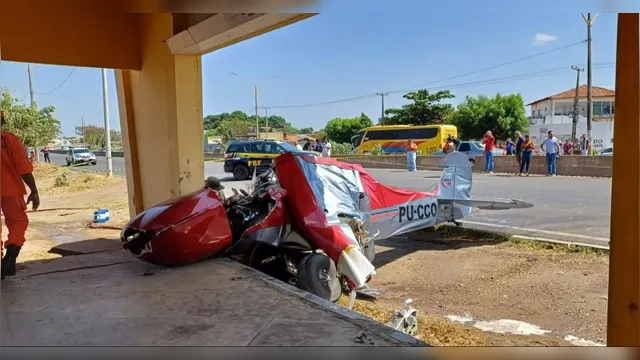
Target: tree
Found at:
x=341, y=130
x=93, y=137
x=34, y=127
x=232, y=128
x=307, y=130
x=425, y=108
x=503, y=115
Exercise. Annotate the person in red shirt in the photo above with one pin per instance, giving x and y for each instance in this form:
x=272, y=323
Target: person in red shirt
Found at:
x=489, y=143
x=15, y=171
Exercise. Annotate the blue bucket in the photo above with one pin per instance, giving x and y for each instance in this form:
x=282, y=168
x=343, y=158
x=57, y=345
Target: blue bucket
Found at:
x=101, y=216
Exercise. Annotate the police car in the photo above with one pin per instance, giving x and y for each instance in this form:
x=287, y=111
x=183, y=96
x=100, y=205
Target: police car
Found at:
x=242, y=157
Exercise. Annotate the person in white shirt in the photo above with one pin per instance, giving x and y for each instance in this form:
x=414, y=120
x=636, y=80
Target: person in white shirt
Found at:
x=326, y=148
x=298, y=146
x=551, y=146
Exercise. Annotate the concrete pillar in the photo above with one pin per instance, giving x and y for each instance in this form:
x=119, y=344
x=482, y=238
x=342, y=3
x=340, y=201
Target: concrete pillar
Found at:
x=623, y=327
x=161, y=118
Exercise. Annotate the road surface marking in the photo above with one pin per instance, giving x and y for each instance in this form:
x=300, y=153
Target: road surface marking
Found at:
x=558, y=233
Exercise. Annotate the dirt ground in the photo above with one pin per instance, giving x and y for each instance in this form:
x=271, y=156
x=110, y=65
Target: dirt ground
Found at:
x=445, y=272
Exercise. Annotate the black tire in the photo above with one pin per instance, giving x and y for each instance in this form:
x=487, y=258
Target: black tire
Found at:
x=68, y=163
x=317, y=274
x=94, y=162
x=241, y=172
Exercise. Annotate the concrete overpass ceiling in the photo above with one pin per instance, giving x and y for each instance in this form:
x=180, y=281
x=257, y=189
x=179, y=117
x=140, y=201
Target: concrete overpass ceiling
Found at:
x=221, y=30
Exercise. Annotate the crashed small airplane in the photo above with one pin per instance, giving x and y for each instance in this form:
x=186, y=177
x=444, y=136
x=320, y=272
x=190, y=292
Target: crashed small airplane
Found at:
x=309, y=221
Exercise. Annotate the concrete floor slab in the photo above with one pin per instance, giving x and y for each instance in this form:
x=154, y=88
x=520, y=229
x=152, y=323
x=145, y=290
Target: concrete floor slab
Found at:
x=111, y=299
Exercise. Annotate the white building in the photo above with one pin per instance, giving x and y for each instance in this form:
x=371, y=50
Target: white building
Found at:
x=555, y=113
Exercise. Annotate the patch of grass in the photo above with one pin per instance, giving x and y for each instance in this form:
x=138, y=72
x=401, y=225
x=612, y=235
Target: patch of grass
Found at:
x=454, y=233
x=61, y=181
x=527, y=244
x=438, y=331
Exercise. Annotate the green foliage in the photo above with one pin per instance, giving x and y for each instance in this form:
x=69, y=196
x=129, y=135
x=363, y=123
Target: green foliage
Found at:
x=377, y=150
x=94, y=137
x=232, y=128
x=34, y=127
x=228, y=124
x=341, y=130
x=503, y=115
x=340, y=149
x=425, y=109
x=61, y=180
x=321, y=134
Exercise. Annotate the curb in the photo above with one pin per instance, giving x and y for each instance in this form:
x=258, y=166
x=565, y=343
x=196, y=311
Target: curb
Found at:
x=361, y=321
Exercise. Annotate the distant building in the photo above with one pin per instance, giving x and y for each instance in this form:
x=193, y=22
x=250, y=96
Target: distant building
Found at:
x=555, y=113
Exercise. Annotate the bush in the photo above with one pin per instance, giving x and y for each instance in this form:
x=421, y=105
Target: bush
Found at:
x=61, y=181
x=377, y=150
x=341, y=149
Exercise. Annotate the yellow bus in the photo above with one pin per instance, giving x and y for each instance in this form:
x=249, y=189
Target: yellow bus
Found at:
x=392, y=138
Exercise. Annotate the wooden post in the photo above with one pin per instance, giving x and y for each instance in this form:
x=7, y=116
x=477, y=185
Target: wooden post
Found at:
x=623, y=327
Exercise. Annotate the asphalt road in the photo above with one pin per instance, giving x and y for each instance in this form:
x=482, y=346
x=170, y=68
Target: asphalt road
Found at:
x=101, y=166
x=565, y=208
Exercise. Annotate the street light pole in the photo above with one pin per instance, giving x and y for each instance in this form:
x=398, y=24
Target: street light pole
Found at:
x=255, y=95
x=107, y=127
x=255, y=91
x=589, y=22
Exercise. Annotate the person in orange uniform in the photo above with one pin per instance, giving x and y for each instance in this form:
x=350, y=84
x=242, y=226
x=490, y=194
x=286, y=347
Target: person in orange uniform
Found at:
x=411, y=148
x=15, y=171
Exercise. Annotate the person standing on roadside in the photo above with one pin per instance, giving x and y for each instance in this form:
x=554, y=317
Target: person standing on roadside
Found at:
x=326, y=148
x=411, y=148
x=489, y=142
x=519, y=148
x=509, y=144
x=527, y=147
x=584, y=144
x=46, y=151
x=567, y=147
x=551, y=146
x=15, y=171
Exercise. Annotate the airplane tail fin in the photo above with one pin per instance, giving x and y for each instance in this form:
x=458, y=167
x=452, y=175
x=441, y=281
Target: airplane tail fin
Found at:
x=454, y=187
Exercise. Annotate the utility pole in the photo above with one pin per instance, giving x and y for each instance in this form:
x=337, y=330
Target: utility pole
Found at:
x=266, y=122
x=31, y=92
x=589, y=22
x=255, y=94
x=382, y=95
x=107, y=126
x=32, y=97
x=575, y=104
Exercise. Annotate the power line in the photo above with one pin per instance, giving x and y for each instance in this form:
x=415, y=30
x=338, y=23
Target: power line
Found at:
x=496, y=66
x=433, y=82
x=523, y=76
x=62, y=83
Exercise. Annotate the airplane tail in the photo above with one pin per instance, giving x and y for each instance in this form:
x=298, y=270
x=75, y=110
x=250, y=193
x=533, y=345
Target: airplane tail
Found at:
x=454, y=187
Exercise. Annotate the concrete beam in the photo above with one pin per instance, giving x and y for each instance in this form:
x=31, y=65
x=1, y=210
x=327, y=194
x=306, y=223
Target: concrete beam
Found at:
x=221, y=30
x=623, y=327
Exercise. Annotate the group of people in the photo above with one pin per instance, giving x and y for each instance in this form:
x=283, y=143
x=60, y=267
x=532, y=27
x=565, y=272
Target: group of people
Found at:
x=322, y=146
x=523, y=148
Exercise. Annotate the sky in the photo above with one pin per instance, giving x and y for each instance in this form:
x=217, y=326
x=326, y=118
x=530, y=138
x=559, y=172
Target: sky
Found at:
x=360, y=47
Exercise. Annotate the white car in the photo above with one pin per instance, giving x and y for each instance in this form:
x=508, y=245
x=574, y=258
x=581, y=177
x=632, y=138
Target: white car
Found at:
x=606, y=152
x=80, y=156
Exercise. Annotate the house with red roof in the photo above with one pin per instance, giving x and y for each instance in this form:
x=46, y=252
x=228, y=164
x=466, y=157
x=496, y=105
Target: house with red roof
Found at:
x=555, y=112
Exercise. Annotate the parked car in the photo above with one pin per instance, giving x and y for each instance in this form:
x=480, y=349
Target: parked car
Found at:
x=471, y=149
x=242, y=157
x=606, y=152
x=80, y=156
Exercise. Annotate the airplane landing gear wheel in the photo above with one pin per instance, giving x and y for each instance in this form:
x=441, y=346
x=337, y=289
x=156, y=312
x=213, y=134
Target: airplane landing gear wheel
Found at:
x=317, y=274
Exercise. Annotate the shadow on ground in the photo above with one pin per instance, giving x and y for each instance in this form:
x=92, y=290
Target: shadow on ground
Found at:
x=440, y=239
